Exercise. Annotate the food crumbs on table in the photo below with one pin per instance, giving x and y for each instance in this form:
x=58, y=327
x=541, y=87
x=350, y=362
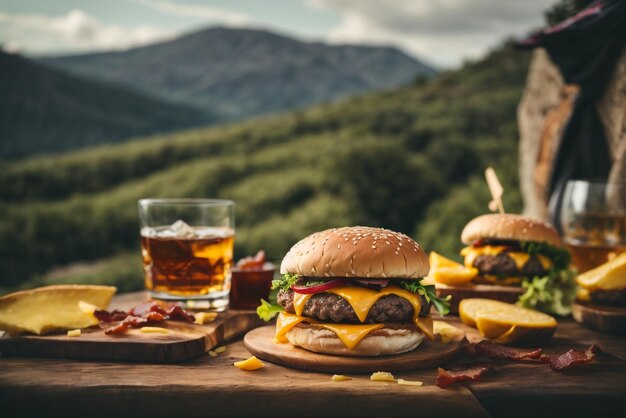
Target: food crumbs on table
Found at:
x=409, y=382
x=155, y=330
x=204, y=317
x=250, y=364
x=382, y=377
x=74, y=333
x=212, y=353
x=340, y=378
x=220, y=350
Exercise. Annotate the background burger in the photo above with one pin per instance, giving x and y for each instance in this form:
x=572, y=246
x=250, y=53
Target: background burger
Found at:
x=354, y=291
x=516, y=258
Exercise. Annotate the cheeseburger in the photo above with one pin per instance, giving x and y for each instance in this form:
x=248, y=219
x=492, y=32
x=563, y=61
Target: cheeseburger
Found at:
x=355, y=291
x=515, y=257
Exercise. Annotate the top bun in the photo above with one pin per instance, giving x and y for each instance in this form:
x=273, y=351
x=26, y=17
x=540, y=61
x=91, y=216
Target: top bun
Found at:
x=358, y=252
x=509, y=227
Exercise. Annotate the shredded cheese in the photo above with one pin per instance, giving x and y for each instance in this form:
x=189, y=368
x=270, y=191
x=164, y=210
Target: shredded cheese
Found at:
x=250, y=364
x=74, y=333
x=155, y=330
x=382, y=377
x=340, y=378
x=409, y=382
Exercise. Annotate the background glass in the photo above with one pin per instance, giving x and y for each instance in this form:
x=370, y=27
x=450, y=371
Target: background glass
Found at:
x=593, y=221
x=187, y=250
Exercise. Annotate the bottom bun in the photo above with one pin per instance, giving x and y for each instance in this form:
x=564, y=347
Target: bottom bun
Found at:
x=382, y=342
x=508, y=294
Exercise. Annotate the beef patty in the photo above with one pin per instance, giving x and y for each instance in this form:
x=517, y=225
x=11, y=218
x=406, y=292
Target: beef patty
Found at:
x=331, y=307
x=502, y=264
x=609, y=297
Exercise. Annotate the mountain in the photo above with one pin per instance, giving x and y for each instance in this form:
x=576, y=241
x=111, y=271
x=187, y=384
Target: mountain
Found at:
x=242, y=72
x=45, y=110
x=410, y=159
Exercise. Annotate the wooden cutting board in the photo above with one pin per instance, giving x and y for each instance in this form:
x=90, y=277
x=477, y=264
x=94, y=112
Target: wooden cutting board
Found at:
x=184, y=341
x=261, y=343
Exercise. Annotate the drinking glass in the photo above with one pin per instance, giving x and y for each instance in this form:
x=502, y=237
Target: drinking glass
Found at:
x=187, y=250
x=593, y=221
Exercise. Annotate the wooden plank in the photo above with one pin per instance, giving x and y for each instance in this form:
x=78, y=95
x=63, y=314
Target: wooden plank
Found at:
x=602, y=318
x=429, y=354
x=212, y=386
x=184, y=342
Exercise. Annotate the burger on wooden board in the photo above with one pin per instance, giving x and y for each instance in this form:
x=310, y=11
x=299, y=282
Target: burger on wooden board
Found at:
x=355, y=291
x=516, y=259
x=601, y=299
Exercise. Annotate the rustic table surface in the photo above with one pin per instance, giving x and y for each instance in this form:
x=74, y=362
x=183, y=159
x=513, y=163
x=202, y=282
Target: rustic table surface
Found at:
x=211, y=386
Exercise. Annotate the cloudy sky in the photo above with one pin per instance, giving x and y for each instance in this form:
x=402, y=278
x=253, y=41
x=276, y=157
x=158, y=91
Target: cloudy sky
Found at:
x=443, y=32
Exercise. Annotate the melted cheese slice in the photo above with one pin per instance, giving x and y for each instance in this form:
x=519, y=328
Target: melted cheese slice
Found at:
x=349, y=334
x=520, y=258
x=361, y=300
x=299, y=300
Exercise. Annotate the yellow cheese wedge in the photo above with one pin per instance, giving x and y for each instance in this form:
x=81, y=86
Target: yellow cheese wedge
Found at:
x=447, y=332
x=51, y=308
x=454, y=276
x=340, y=378
x=250, y=364
x=436, y=260
x=506, y=323
x=608, y=276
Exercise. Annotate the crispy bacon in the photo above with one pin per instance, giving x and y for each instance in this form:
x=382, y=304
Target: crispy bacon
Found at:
x=118, y=321
x=570, y=358
x=447, y=377
x=490, y=349
x=121, y=326
x=112, y=316
x=177, y=312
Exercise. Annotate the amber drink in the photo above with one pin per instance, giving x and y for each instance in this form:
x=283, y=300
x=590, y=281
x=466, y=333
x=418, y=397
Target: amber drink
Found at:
x=593, y=221
x=190, y=259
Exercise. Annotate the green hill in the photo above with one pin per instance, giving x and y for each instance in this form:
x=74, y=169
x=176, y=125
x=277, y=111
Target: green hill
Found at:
x=410, y=159
x=45, y=110
x=239, y=72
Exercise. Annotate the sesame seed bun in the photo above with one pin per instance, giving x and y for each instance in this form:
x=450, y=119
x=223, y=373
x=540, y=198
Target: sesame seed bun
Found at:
x=357, y=251
x=509, y=227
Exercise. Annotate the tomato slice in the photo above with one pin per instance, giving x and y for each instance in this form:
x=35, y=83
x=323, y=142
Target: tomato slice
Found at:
x=305, y=290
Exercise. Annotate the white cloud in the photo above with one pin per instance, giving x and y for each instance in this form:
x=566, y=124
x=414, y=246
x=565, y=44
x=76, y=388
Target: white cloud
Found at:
x=216, y=14
x=442, y=31
x=73, y=31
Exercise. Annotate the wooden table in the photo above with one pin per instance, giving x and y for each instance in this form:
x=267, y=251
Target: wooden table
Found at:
x=211, y=386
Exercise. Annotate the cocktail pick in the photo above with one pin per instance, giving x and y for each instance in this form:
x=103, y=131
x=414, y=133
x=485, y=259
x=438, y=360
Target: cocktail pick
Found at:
x=496, y=189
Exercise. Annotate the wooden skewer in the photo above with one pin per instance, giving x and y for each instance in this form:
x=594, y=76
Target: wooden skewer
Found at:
x=496, y=189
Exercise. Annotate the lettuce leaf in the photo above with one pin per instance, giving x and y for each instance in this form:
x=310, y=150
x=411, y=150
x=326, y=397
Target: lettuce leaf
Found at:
x=428, y=291
x=267, y=310
x=285, y=282
x=553, y=293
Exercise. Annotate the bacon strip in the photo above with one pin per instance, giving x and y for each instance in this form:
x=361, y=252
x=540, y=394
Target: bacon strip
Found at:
x=490, y=349
x=177, y=312
x=447, y=377
x=570, y=358
x=112, y=316
x=122, y=326
x=118, y=321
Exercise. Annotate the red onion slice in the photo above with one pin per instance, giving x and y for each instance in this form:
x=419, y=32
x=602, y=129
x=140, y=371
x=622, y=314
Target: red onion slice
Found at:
x=305, y=290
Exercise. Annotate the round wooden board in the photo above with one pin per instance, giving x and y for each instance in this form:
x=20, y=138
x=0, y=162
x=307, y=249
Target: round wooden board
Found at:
x=601, y=318
x=261, y=343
